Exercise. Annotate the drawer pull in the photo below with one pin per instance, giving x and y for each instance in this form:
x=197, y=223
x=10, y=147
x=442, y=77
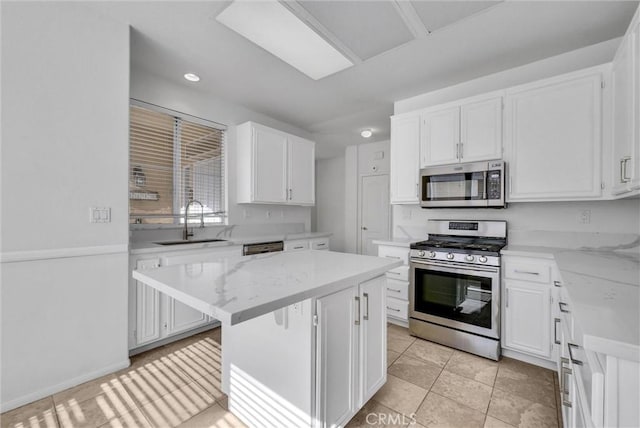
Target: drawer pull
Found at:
x=393, y=289
x=573, y=360
x=298, y=248
x=562, y=307
x=563, y=389
x=556, y=321
x=526, y=272
x=321, y=245
x=557, y=283
x=389, y=308
x=393, y=257
x=395, y=273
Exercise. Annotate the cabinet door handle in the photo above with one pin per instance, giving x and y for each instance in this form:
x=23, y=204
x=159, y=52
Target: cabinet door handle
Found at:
x=462, y=151
x=357, y=310
x=623, y=169
x=570, y=346
x=394, y=290
x=526, y=272
x=506, y=299
x=556, y=321
x=458, y=151
x=366, y=306
x=395, y=273
x=564, y=371
x=557, y=283
x=364, y=228
x=290, y=194
x=562, y=307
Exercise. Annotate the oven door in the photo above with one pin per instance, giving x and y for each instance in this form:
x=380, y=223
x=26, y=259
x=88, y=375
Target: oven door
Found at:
x=456, y=295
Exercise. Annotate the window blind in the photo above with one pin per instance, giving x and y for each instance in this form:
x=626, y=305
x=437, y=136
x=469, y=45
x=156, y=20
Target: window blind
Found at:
x=174, y=160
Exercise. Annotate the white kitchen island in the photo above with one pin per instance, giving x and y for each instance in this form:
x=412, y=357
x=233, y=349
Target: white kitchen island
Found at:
x=304, y=333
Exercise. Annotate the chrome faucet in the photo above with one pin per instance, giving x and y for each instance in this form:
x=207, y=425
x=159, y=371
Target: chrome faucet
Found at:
x=185, y=233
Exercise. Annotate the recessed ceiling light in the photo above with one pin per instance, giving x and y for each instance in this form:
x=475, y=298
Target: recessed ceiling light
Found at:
x=276, y=29
x=192, y=77
x=366, y=133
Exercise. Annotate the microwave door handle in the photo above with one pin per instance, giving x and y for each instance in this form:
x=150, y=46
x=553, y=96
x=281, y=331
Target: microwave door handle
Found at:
x=484, y=188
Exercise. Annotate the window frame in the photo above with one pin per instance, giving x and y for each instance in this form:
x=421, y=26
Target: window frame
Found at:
x=177, y=168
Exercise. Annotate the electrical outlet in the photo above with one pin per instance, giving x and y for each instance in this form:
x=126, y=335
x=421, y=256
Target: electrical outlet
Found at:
x=585, y=216
x=268, y=214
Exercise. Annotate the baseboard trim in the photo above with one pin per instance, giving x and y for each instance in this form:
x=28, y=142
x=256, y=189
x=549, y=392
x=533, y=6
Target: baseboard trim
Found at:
x=529, y=359
x=401, y=323
x=165, y=341
x=45, y=392
x=61, y=253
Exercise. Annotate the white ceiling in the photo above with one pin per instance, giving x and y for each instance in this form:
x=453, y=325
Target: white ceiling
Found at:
x=395, y=55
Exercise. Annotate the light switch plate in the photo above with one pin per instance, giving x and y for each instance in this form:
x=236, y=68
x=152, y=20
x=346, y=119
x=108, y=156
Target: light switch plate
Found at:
x=100, y=215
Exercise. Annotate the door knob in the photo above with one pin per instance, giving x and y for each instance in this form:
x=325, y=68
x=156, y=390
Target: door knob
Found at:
x=364, y=228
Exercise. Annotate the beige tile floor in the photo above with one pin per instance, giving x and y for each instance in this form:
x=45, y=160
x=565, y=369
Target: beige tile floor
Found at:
x=428, y=385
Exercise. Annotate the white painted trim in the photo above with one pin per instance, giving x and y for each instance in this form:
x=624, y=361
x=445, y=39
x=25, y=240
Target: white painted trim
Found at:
x=551, y=365
x=30, y=398
x=61, y=253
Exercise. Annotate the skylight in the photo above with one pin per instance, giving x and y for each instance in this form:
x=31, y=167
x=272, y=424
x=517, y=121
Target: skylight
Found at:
x=276, y=29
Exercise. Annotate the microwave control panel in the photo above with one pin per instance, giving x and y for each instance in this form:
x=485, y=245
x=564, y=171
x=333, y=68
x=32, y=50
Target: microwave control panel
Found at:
x=494, y=184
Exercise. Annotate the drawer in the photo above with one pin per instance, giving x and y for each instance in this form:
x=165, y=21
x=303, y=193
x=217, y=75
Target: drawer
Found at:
x=527, y=270
x=400, y=273
x=395, y=253
x=397, y=308
x=296, y=245
x=319, y=244
x=397, y=289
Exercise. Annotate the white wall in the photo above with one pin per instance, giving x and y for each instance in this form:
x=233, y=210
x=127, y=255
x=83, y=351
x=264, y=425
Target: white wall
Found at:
x=65, y=90
x=330, y=200
x=619, y=217
x=186, y=98
x=600, y=53
x=606, y=216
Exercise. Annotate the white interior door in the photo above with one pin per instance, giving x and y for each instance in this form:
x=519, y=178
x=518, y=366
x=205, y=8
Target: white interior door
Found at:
x=374, y=212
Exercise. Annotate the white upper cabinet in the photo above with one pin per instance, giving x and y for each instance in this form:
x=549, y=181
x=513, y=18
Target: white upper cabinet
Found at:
x=301, y=167
x=481, y=130
x=440, y=137
x=466, y=131
x=553, y=138
x=405, y=155
x=274, y=167
x=626, y=108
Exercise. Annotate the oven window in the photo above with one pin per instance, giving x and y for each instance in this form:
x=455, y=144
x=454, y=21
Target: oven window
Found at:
x=453, y=187
x=454, y=296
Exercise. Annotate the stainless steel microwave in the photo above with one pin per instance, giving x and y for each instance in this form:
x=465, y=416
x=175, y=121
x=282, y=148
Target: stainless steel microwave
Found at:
x=470, y=185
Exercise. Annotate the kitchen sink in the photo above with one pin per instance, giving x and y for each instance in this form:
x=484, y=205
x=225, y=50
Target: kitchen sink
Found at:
x=192, y=241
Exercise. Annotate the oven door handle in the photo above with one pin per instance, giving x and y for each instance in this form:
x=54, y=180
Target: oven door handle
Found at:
x=452, y=267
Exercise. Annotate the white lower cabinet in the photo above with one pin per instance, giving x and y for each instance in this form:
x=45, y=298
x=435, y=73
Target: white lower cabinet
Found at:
x=152, y=315
x=397, y=284
x=527, y=317
x=351, y=350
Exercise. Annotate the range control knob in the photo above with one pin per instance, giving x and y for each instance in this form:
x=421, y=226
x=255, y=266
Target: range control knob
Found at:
x=432, y=254
x=450, y=256
x=482, y=259
x=469, y=258
x=420, y=253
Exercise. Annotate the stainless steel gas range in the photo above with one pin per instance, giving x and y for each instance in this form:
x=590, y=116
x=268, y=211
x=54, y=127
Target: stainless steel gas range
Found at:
x=454, y=295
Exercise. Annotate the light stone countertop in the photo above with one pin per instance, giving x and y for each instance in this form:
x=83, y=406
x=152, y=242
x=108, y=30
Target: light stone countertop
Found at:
x=397, y=242
x=149, y=247
x=604, y=290
x=235, y=289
